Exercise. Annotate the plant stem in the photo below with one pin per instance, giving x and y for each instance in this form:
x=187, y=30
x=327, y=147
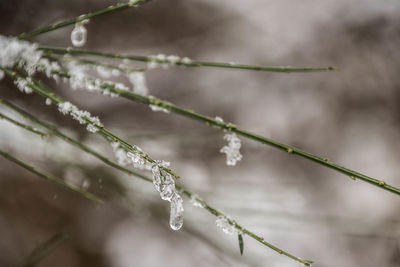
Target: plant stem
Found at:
x=50, y=178
x=191, y=63
x=64, y=23
x=150, y=100
x=43, y=91
x=43, y=250
x=189, y=194
x=69, y=140
x=24, y=126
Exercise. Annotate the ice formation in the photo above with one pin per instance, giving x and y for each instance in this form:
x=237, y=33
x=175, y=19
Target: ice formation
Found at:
x=196, y=201
x=165, y=185
x=227, y=228
x=79, y=34
x=23, y=54
x=138, y=81
x=82, y=116
x=232, y=152
x=166, y=61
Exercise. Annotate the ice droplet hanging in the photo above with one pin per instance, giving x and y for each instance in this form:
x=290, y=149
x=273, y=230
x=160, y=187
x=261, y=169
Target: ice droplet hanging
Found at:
x=78, y=35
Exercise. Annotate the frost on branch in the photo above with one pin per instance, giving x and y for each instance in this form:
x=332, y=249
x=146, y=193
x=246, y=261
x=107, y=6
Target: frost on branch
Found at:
x=232, y=149
x=82, y=116
x=165, y=185
x=138, y=81
x=226, y=227
x=166, y=61
x=23, y=54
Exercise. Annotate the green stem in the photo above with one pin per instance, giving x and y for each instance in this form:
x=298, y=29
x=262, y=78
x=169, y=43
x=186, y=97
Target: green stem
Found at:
x=50, y=178
x=43, y=250
x=64, y=23
x=24, y=126
x=95, y=63
x=150, y=100
x=186, y=192
x=191, y=63
x=71, y=141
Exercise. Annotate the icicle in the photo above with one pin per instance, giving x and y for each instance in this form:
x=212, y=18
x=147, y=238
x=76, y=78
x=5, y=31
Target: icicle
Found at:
x=176, y=215
x=165, y=185
x=232, y=150
x=78, y=35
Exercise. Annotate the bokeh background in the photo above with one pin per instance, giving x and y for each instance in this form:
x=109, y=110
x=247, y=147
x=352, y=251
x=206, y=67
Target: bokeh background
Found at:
x=350, y=116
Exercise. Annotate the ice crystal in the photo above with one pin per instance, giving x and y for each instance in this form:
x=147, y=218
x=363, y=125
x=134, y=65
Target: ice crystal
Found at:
x=23, y=54
x=24, y=85
x=82, y=116
x=120, y=154
x=219, y=119
x=165, y=61
x=196, y=201
x=232, y=149
x=48, y=101
x=80, y=80
x=156, y=108
x=137, y=157
x=165, y=185
x=227, y=228
x=78, y=35
x=103, y=71
x=138, y=81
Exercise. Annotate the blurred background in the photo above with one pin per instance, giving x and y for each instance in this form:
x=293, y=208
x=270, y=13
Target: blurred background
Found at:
x=350, y=116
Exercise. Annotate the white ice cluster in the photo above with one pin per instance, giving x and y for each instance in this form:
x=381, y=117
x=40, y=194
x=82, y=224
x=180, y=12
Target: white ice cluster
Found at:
x=82, y=116
x=79, y=79
x=138, y=80
x=136, y=158
x=165, y=185
x=79, y=33
x=23, y=54
x=227, y=228
x=164, y=61
x=196, y=201
x=232, y=150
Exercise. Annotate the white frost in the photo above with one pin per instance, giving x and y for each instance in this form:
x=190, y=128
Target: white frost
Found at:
x=232, y=149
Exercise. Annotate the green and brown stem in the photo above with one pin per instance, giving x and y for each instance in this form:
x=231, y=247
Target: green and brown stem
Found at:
x=24, y=126
x=150, y=100
x=50, y=178
x=65, y=23
x=191, y=63
x=186, y=192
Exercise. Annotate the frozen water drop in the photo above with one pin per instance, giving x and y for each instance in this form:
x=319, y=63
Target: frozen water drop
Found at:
x=176, y=215
x=78, y=35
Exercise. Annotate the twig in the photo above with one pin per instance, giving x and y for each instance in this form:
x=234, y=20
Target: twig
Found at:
x=50, y=177
x=189, y=194
x=233, y=128
x=43, y=250
x=181, y=62
x=24, y=126
x=64, y=23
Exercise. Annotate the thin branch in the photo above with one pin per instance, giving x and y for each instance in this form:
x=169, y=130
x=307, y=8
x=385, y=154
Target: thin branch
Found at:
x=64, y=23
x=182, y=62
x=179, y=187
x=43, y=250
x=150, y=100
x=50, y=178
x=24, y=126
x=69, y=140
